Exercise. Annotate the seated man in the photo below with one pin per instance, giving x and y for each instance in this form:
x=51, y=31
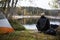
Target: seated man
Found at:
x=43, y=23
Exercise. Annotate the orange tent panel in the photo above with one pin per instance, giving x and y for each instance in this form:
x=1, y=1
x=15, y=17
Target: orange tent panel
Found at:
x=6, y=30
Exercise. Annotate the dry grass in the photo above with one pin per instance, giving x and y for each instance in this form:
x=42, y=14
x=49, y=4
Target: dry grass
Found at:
x=26, y=35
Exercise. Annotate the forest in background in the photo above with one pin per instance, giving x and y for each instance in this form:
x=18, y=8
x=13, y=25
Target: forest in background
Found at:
x=35, y=11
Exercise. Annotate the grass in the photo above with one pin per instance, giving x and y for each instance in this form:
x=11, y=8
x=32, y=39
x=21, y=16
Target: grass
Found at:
x=16, y=25
x=26, y=35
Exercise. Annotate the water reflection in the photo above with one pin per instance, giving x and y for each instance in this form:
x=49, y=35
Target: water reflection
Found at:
x=31, y=26
x=30, y=23
x=28, y=20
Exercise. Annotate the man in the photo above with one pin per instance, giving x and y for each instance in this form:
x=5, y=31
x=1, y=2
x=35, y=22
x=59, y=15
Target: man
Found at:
x=43, y=23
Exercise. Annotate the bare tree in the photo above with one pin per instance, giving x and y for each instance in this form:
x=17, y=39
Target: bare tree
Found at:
x=6, y=5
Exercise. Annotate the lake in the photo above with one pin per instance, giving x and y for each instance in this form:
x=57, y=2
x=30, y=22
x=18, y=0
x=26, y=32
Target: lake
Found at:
x=30, y=23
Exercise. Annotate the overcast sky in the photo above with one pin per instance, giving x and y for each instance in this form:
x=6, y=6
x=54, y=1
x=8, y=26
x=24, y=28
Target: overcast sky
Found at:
x=34, y=3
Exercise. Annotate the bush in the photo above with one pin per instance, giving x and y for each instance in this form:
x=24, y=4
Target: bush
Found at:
x=16, y=25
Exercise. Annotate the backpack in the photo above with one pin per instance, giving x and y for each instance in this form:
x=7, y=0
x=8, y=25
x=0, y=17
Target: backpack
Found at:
x=51, y=31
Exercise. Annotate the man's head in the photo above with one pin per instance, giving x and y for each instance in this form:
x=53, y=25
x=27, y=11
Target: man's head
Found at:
x=42, y=14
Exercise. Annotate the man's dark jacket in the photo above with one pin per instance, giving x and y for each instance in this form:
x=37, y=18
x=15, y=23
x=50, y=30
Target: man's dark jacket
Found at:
x=43, y=24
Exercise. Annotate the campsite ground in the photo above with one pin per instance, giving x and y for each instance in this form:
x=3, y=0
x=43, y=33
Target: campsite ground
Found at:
x=27, y=35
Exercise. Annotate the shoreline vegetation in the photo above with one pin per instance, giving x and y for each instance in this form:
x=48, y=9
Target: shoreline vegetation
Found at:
x=16, y=25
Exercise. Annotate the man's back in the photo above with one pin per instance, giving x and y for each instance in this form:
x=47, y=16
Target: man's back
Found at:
x=42, y=24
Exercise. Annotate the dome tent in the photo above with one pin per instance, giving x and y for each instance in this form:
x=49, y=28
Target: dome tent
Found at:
x=5, y=26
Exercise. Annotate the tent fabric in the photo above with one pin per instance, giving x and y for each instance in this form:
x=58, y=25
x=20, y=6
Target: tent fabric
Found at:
x=5, y=30
x=4, y=23
x=5, y=26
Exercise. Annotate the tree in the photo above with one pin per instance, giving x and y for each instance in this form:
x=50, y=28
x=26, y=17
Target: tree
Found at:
x=6, y=5
x=54, y=3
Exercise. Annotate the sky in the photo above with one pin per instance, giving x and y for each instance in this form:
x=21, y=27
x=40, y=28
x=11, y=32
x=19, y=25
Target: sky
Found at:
x=34, y=3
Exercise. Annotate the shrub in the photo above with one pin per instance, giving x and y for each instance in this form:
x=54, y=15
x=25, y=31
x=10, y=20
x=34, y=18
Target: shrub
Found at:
x=16, y=25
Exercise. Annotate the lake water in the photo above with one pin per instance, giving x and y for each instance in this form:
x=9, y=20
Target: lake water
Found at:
x=30, y=23
x=33, y=26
